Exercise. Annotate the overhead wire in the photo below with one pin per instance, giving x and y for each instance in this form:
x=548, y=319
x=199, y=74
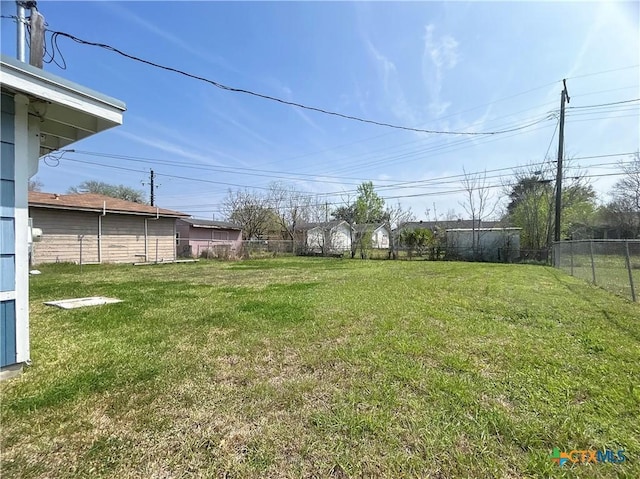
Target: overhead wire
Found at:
x=276, y=99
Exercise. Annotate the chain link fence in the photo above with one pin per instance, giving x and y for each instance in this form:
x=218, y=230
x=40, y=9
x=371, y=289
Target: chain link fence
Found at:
x=611, y=264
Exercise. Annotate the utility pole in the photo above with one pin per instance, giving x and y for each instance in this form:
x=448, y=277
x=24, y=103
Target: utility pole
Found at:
x=563, y=95
x=152, y=177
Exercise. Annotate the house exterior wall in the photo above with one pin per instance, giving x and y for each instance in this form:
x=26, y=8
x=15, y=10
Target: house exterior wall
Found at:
x=315, y=240
x=380, y=238
x=20, y=147
x=321, y=240
x=194, y=240
x=124, y=238
x=7, y=235
x=341, y=238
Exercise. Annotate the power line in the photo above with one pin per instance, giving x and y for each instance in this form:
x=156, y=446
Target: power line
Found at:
x=603, y=72
x=603, y=104
x=276, y=99
x=402, y=185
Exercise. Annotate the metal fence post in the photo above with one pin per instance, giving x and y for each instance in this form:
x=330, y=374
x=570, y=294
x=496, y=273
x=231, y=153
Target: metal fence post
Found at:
x=633, y=291
x=571, y=255
x=593, y=266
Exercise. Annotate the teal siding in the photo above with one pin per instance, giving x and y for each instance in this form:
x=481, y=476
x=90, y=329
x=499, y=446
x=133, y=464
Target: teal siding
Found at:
x=7, y=333
x=7, y=232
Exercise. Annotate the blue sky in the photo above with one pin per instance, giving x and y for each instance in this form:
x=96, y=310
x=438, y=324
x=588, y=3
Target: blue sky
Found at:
x=452, y=66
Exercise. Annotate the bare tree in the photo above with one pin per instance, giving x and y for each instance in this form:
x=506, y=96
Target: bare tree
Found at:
x=623, y=211
x=395, y=217
x=479, y=204
x=35, y=184
x=248, y=210
x=291, y=207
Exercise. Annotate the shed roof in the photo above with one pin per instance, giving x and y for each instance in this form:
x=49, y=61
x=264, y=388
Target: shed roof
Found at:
x=211, y=224
x=328, y=225
x=446, y=225
x=97, y=203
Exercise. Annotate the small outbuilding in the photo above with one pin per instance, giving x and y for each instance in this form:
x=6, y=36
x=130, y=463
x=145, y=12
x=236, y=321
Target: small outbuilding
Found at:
x=499, y=245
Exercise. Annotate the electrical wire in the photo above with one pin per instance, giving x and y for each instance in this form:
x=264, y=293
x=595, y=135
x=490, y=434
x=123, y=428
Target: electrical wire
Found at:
x=280, y=100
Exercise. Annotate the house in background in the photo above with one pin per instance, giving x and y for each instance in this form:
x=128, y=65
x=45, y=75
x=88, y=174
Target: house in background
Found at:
x=329, y=237
x=380, y=234
x=41, y=112
x=101, y=228
x=195, y=237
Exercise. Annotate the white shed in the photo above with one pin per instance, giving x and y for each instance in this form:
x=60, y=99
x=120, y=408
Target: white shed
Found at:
x=484, y=244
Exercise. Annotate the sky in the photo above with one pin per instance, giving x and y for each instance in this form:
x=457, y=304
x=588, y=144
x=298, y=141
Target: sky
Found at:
x=458, y=67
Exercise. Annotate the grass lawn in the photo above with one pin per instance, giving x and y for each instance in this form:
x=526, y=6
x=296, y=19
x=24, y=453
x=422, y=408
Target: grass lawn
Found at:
x=305, y=367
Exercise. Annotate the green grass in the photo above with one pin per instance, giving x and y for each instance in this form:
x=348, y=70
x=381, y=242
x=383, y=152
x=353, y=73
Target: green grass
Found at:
x=611, y=272
x=306, y=367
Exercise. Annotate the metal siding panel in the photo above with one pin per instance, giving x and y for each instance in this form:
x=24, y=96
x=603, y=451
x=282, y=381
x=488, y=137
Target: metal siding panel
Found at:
x=7, y=198
x=7, y=236
x=7, y=126
x=7, y=104
x=7, y=163
x=7, y=333
x=8, y=268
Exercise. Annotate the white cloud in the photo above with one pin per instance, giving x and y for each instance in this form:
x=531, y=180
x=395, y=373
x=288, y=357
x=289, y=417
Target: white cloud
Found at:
x=440, y=54
x=393, y=90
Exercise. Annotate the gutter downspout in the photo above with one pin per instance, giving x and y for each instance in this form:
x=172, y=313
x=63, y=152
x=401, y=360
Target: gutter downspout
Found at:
x=146, y=237
x=104, y=213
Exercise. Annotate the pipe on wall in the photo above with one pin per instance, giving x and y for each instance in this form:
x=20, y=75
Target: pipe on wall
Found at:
x=104, y=213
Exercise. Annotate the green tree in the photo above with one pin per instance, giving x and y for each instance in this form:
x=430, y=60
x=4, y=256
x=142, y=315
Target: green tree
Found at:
x=367, y=209
x=417, y=241
x=115, y=191
x=532, y=207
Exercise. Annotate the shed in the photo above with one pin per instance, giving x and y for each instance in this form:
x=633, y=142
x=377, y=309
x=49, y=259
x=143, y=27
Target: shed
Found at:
x=484, y=244
x=41, y=112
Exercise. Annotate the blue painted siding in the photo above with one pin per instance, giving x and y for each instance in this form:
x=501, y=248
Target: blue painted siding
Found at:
x=7, y=232
x=7, y=333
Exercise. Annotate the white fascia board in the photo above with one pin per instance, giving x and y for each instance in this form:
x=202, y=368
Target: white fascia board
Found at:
x=37, y=83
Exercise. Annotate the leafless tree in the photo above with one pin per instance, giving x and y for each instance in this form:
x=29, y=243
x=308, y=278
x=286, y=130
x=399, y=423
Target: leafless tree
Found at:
x=623, y=210
x=395, y=217
x=250, y=211
x=291, y=207
x=35, y=184
x=479, y=203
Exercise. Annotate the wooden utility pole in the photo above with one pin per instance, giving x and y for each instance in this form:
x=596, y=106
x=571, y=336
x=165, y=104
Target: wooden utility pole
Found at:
x=36, y=42
x=152, y=177
x=563, y=95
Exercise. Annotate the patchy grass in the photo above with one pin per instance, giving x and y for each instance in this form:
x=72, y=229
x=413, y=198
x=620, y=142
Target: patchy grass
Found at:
x=303, y=367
